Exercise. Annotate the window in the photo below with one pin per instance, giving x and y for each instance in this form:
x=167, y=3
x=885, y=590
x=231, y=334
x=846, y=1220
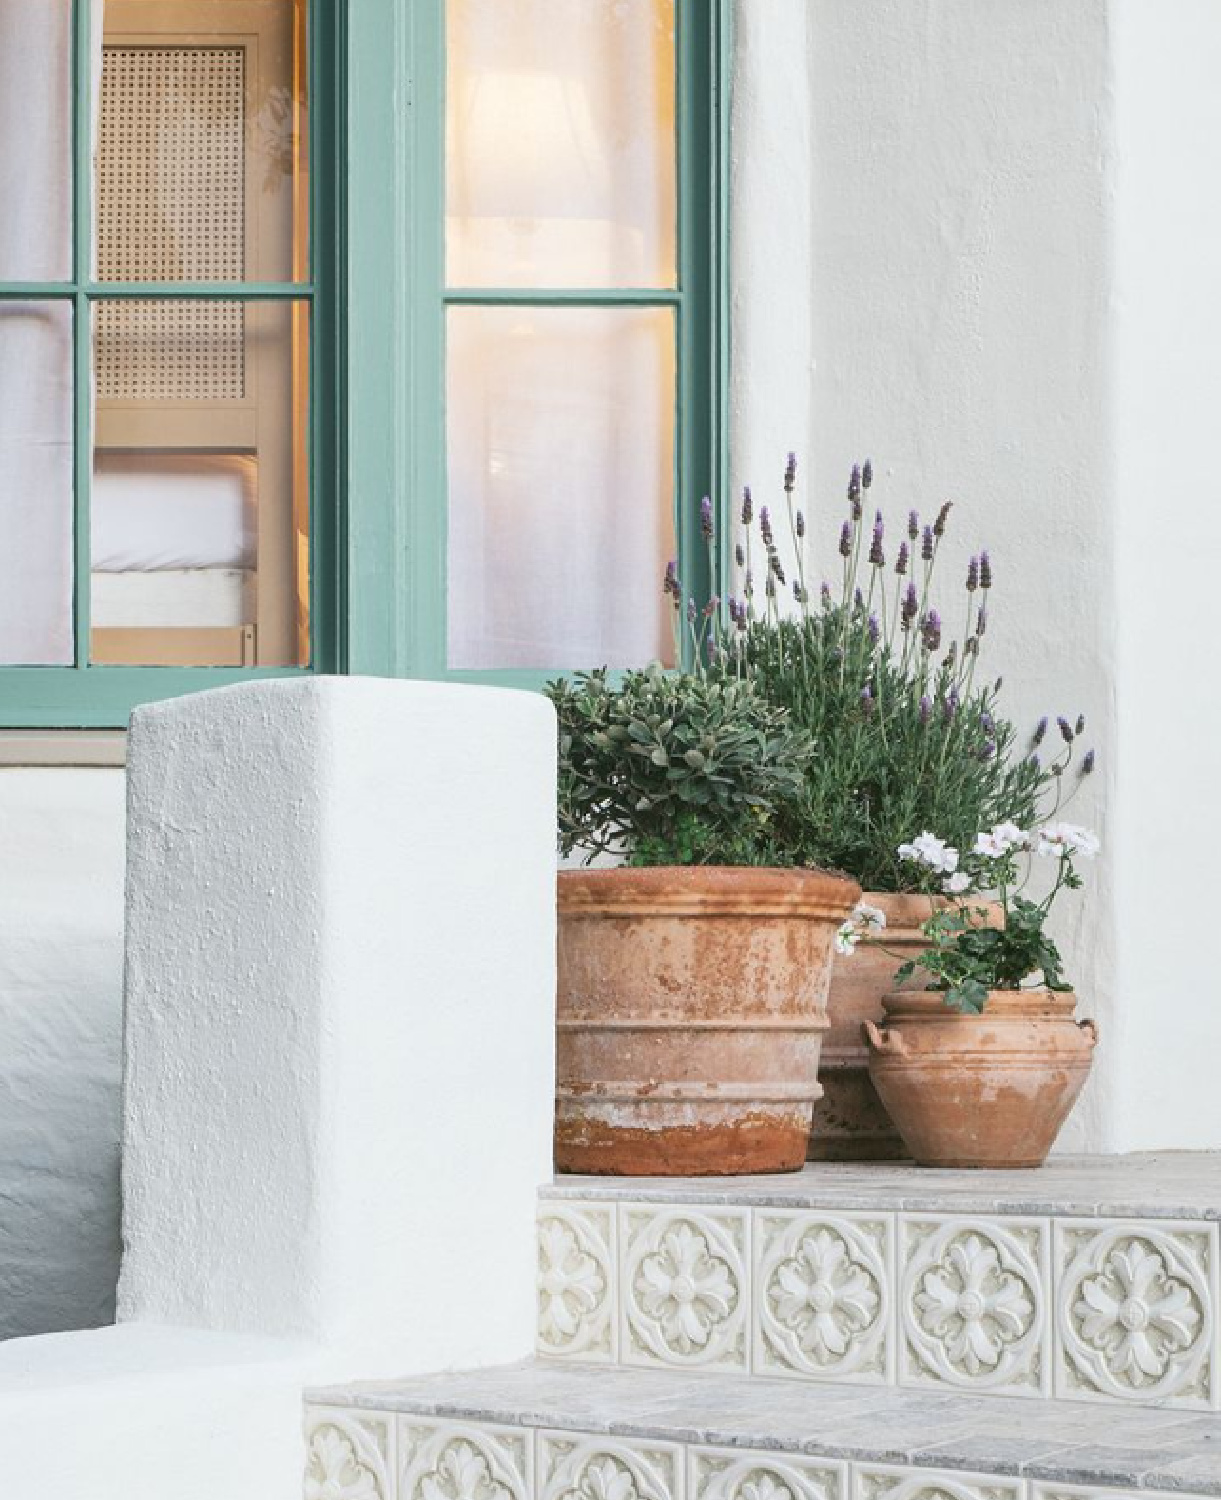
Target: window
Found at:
x=372, y=337
x=163, y=392
x=571, y=287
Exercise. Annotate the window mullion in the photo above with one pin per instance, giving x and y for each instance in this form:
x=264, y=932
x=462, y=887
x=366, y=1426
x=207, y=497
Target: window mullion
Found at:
x=82, y=271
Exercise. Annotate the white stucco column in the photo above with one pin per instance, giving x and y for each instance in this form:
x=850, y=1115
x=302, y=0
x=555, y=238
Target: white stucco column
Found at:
x=340, y=999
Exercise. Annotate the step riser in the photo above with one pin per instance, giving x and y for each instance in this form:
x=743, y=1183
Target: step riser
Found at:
x=1044, y=1306
x=370, y=1455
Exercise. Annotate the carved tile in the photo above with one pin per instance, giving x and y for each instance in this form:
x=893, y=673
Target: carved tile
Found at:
x=1136, y=1311
x=823, y=1303
x=572, y=1466
x=974, y=1304
x=1053, y=1491
x=729, y=1474
x=349, y=1455
x=463, y=1461
x=872, y=1482
x=576, y=1281
x=683, y=1286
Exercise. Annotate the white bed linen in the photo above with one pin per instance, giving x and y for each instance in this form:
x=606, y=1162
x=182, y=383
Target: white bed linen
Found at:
x=156, y=511
x=173, y=597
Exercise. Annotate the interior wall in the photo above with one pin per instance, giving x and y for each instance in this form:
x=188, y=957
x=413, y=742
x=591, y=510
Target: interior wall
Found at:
x=61, y=916
x=923, y=197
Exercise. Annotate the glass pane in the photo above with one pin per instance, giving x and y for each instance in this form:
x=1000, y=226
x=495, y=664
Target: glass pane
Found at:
x=561, y=143
x=36, y=483
x=35, y=140
x=200, y=513
x=202, y=141
x=561, y=463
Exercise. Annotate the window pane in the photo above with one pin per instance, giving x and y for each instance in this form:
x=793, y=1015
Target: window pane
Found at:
x=561, y=463
x=200, y=516
x=202, y=141
x=35, y=140
x=561, y=143
x=36, y=483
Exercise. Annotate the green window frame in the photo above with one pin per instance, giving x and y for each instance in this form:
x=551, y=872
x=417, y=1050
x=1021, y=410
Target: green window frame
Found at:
x=378, y=491
x=88, y=695
x=399, y=575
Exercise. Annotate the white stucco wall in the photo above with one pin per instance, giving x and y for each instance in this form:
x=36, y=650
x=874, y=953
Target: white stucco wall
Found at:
x=61, y=909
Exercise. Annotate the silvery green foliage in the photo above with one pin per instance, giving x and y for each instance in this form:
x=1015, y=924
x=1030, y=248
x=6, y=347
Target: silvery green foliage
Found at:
x=674, y=768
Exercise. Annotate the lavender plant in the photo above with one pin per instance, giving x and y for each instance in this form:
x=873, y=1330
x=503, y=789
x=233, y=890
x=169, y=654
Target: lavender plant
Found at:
x=908, y=732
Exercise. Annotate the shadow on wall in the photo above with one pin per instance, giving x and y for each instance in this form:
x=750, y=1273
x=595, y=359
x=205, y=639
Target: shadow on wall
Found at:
x=61, y=963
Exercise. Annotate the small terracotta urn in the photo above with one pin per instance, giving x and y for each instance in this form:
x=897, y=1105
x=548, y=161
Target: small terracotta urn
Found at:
x=988, y=1090
x=691, y=1010
x=850, y=1122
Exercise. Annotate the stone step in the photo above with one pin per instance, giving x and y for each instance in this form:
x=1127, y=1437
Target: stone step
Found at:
x=549, y=1432
x=1093, y=1279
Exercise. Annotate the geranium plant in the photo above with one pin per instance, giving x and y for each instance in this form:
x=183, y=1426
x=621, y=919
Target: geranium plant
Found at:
x=968, y=956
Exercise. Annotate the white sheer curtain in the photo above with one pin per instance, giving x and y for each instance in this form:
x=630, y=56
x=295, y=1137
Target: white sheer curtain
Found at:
x=35, y=337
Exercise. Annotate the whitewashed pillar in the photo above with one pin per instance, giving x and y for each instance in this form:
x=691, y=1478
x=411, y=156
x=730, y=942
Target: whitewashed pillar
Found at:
x=339, y=1035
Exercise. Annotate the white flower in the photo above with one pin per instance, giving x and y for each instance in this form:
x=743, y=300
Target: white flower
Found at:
x=846, y=938
x=1004, y=838
x=932, y=852
x=869, y=918
x=1060, y=839
x=957, y=883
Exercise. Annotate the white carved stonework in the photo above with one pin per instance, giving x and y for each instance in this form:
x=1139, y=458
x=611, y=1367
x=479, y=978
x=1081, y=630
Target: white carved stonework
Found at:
x=576, y=1301
x=683, y=1286
x=457, y=1461
x=886, y=1483
x=718, y=1474
x=1052, y=1491
x=1136, y=1306
x=348, y=1455
x=974, y=1307
x=573, y=1467
x=822, y=1295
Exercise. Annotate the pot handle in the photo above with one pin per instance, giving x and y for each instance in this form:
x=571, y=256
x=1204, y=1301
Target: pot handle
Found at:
x=1090, y=1028
x=884, y=1042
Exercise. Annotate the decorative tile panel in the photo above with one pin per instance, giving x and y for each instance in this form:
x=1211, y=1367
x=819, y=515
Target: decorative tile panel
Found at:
x=463, y=1461
x=822, y=1296
x=974, y=1302
x=574, y=1467
x=576, y=1281
x=684, y=1286
x=728, y=1474
x=349, y=1455
x=878, y=1483
x=1136, y=1312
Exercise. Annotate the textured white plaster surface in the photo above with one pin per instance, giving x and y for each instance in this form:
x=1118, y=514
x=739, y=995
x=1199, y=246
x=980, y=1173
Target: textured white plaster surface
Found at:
x=925, y=193
x=61, y=908
x=340, y=1032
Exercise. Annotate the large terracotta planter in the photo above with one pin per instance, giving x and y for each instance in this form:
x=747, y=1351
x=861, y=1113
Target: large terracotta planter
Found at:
x=691, y=1011
x=987, y=1090
x=850, y=1122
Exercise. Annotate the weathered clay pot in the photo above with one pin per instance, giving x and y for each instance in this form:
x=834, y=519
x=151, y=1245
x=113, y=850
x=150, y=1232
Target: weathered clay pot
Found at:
x=850, y=1122
x=987, y=1090
x=692, y=1005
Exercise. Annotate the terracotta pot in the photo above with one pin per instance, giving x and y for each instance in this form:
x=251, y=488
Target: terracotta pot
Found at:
x=850, y=1122
x=987, y=1090
x=692, y=1005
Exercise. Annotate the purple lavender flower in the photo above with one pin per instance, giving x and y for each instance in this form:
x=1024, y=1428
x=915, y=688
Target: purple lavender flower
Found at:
x=1066, y=729
x=1087, y=765
x=1079, y=727
x=877, y=555
x=987, y=750
x=854, y=492
x=930, y=631
x=1040, y=729
x=845, y=539
x=913, y=525
x=972, y=575
x=867, y=474
x=748, y=506
x=902, y=560
x=874, y=630
x=910, y=607
x=927, y=546
x=706, y=518
x=824, y=593
x=739, y=555
x=867, y=700
x=985, y=571
x=943, y=515
x=765, y=526
x=981, y=621
x=773, y=558
x=800, y=525
x=790, y=473
x=671, y=584
x=926, y=709
x=987, y=723
x=858, y=601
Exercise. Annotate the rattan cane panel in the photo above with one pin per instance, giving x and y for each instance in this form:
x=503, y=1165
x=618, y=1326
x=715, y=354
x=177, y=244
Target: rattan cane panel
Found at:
x=171, y=187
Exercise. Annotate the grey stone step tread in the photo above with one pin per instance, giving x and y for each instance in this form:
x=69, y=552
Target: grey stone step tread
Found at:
x=1148, y=1185
x=1068, y=1443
